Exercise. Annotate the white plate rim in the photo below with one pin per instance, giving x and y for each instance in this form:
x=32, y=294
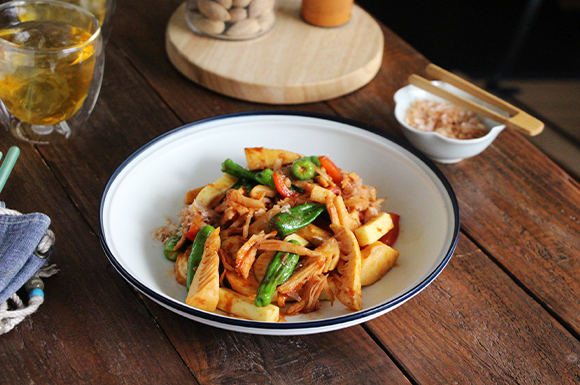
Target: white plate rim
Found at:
x=283, y=328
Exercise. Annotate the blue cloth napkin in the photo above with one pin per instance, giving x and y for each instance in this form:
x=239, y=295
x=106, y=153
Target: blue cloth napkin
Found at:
x=19, y=237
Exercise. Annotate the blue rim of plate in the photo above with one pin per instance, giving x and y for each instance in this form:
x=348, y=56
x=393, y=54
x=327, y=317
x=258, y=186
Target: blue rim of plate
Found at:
x=257, y=325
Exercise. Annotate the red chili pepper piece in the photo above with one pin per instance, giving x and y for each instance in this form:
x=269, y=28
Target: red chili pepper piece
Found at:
x=194, y=229
x=281, y=186
x=331, y=169
x=390, y=238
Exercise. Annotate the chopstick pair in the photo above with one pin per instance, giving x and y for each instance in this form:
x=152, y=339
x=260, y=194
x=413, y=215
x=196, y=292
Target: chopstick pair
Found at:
x=8, y=164
x=517, y=119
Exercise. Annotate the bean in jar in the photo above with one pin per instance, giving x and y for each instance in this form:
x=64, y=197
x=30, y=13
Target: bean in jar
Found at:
x=231, y=19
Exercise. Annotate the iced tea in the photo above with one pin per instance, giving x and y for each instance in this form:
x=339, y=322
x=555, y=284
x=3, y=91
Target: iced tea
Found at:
x=45, y=88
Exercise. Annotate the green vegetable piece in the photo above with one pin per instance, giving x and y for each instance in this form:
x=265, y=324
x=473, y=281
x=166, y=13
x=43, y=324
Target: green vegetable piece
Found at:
x=314, y=159
x=299, y=190
x=197, y=252
x=266, y=177
x=279, y=270
x=168, y=251
x=248, y=185
x=287, y=222
x=303, y=169
x=234, y=169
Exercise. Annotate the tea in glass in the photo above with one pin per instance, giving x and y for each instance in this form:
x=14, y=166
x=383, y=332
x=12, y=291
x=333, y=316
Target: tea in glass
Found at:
x=103, y=10
x=50, y=68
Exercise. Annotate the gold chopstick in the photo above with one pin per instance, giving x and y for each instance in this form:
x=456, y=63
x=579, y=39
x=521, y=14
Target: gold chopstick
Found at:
x=517, y=119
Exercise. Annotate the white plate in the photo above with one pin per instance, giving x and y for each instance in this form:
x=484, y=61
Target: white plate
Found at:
x=150, y=186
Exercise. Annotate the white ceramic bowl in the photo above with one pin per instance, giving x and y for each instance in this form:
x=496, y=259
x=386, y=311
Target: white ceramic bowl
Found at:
x=436, y=146
x=150, y=185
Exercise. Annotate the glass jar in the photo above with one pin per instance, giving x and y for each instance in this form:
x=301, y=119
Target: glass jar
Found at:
x=231, y=19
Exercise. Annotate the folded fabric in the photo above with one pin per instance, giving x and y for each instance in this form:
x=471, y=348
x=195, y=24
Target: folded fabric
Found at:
x=19, y=238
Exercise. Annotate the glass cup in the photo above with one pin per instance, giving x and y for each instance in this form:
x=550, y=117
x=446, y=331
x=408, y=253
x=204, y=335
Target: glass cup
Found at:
x=231, y=19
x=103, y=10
x=51, y=68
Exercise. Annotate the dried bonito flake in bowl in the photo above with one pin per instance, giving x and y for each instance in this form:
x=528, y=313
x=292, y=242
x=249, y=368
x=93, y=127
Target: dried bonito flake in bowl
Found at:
x=231, y=19
x=445, y=118
x=444, y=132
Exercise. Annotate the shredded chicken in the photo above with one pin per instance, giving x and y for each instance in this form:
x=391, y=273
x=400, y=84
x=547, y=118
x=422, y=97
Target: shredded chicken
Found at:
x=347, y=279
x=246, y=255
x=310, y=293
x=274, y=244
x=312, y=267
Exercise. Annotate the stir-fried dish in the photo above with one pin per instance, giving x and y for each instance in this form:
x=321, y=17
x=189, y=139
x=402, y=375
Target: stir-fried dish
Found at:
x=275, y=238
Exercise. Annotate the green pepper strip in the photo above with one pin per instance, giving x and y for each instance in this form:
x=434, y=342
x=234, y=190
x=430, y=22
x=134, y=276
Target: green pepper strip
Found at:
x=279, y=270
x=168, y=251
x=287, y=222
x=197, y=252
x=314, y=159
x=266, y=177
x=303, y=169
x=248, y=185
x=234, y=169
x=249, y=178
x=297, y=189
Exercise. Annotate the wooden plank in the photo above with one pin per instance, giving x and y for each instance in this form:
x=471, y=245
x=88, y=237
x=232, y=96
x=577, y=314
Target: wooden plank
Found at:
x=556, y=99
x=374, y=104
x=128, y=104
x=557, y=140
x=505, y=202
x=216, y=356
x=118, y=126
x=475, y=325
x=562, y=150
x=532, y=234
x=145, y=48
x=525, y=214
x=210, y=351
x=91, y=328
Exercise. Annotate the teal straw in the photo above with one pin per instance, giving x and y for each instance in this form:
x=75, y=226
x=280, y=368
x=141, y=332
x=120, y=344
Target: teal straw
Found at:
x=8, y=165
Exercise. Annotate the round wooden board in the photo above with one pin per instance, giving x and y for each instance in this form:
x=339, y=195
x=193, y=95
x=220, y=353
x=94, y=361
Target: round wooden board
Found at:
x=293, y=63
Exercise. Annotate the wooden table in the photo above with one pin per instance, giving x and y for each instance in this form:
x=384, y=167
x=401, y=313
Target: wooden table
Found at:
x=505, y=310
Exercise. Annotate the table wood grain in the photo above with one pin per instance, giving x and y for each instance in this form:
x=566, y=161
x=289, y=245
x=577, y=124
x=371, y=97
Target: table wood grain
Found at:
x=505, y=310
